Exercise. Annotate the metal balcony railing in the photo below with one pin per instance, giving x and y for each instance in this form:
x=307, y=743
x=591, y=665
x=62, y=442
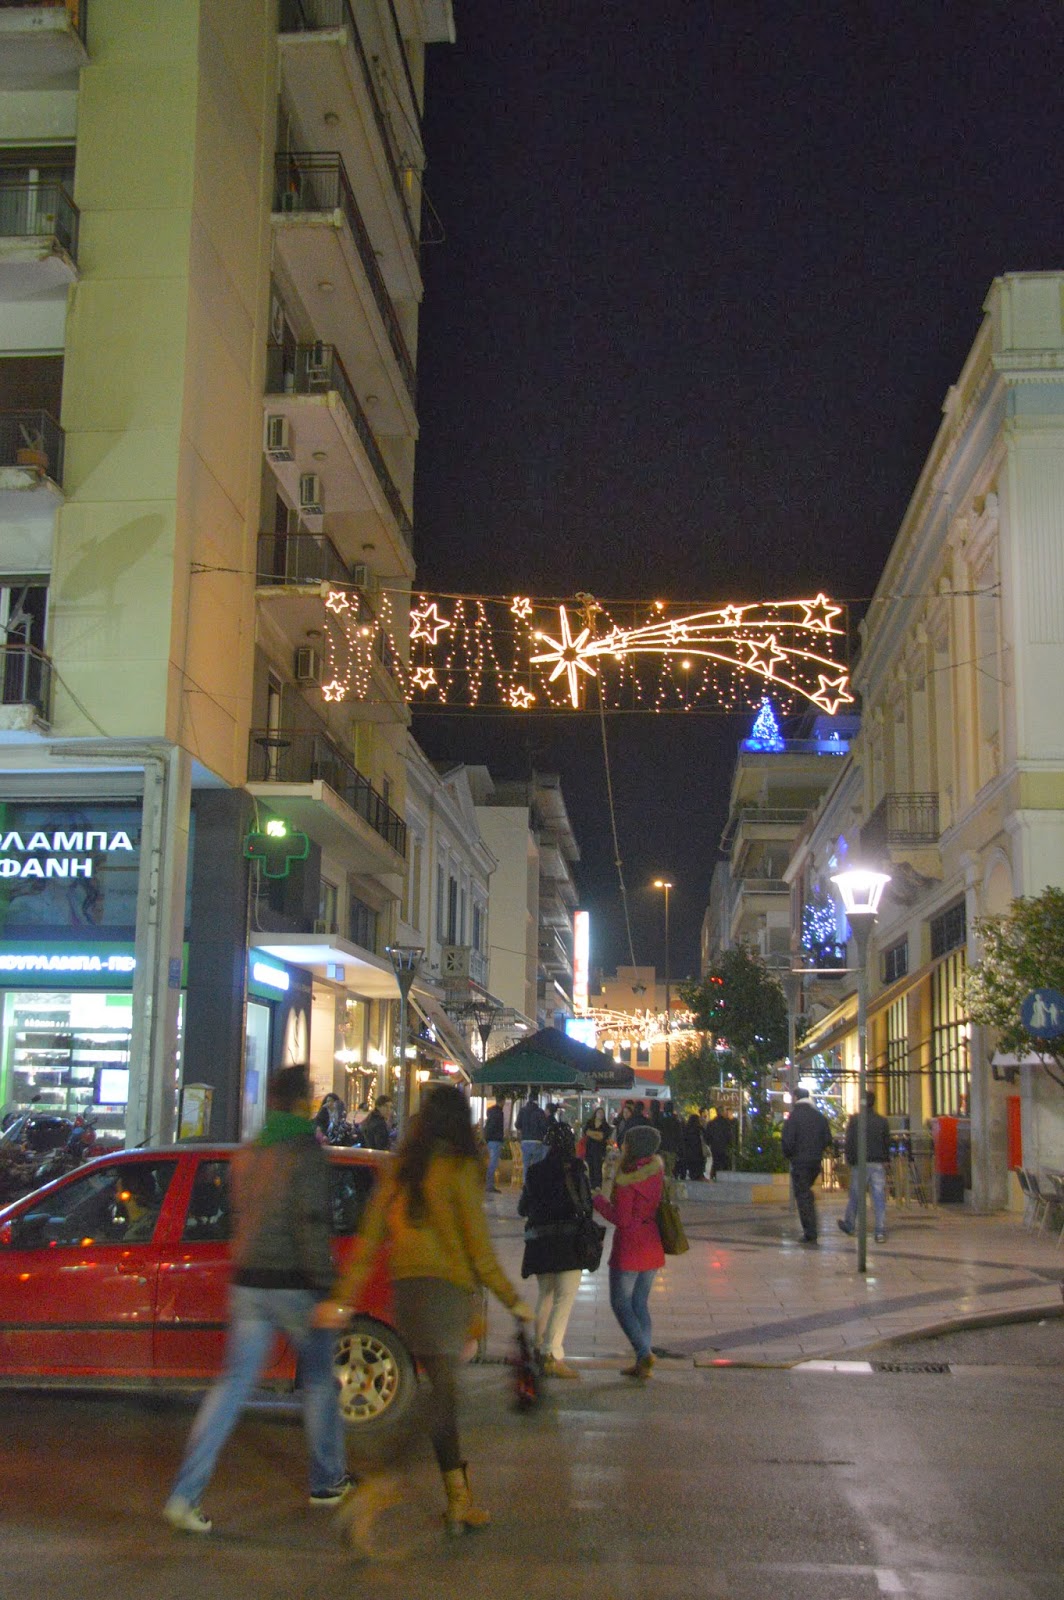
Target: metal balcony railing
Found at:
x=39, y=209
x=318, y=181
x=317, y=369
x=75, y=10
x=901, y=819
x=756, y=816
x=32, y=439
x=26, y=679
x=763, y=886
x=314, y=16
x=292, y=755
x=301, y=558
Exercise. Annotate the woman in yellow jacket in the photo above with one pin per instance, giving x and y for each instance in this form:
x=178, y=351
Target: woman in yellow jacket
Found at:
x=429, y=1211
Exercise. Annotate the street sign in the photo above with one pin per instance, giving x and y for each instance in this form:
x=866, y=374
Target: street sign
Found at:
x=1042, y=1014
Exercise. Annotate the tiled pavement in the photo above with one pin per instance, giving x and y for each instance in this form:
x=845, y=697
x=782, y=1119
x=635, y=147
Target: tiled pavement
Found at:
x=748, y=1293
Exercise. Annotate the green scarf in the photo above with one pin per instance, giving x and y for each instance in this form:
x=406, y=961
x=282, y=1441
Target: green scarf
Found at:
x=283, y=1125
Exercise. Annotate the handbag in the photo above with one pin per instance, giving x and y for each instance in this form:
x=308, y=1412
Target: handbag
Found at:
x=589, y=1234
x=670, y=1227
x=524, y=1374
x=581, y=1148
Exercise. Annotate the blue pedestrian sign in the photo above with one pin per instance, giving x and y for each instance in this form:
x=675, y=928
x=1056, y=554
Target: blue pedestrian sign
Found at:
x=1042, y=1014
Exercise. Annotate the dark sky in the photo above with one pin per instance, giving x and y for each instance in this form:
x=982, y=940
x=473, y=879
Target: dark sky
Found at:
x=707, y=273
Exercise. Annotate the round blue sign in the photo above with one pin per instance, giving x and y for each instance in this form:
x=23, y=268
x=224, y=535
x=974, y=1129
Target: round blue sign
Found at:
x=1042, y=1014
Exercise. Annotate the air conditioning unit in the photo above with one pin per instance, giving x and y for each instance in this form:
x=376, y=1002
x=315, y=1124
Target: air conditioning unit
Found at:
x=278, y=441
x=308, y=665
x=360, y=573
x=311, y=499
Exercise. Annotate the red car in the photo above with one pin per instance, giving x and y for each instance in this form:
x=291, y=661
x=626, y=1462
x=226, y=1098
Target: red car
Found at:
x=119, y=1273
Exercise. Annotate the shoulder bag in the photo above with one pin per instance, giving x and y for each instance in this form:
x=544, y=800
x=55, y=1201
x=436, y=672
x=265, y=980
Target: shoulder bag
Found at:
x=589, y=1233
x=673, y=1238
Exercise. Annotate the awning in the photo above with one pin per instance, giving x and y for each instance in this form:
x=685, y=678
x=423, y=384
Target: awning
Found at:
x=550, y=1059
x=329, y=956
x=431, y=1011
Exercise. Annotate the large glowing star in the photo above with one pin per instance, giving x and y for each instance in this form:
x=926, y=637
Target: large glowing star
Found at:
x=567, y=654
x=427, y=624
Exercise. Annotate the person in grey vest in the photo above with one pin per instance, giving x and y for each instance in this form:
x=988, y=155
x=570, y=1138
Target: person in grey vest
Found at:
x=806, y=1135
x=877, y=1155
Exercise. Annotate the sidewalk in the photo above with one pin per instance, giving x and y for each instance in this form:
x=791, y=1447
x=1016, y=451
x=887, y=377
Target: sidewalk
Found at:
x=748, y=1294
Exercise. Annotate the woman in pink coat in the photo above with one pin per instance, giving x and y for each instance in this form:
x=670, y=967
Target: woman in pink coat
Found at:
x=637, y=1253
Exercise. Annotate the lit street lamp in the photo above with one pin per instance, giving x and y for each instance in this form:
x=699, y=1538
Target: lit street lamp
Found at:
x=405, y=960
x=484, y=1013
x=664, y=883
x=861, y=891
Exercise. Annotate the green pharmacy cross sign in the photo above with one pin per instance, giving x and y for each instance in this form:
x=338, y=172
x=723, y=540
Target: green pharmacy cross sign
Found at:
x=276, y=849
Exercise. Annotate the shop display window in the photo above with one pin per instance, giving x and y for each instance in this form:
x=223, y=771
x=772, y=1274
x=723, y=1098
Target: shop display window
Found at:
x=67, y=1053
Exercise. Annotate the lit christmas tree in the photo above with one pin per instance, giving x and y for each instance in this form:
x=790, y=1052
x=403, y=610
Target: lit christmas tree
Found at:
x=765, y=733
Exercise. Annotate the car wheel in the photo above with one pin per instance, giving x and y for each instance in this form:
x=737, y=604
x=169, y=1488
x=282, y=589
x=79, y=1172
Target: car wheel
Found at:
x=375, y=1373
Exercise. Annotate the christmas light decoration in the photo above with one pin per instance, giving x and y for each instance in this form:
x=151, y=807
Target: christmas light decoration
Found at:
x=517, y=653
x=765, y=734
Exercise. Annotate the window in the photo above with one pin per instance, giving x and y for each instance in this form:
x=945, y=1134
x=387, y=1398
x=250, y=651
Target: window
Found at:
x=949, y=1037
x=116, y=1204
x=441, y=905
x=897, y=1059
x=896, y=961
x=948, y=930
x=362, y=924
x=478, y=927
x=349, y=1189
x=452, y=911
x=209, y=1217
x=328, y=906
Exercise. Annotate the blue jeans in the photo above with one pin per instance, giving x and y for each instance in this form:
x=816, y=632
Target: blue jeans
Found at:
x=532, y=1150
x=256, y=1318
x=877, y=1182
x=630, y=1302
x=494, y=1153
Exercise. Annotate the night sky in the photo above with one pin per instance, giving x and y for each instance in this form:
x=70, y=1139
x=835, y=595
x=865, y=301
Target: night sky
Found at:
x=705, y=276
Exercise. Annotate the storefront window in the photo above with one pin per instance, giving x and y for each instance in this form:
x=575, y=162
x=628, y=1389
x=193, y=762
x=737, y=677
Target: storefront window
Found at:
x=67, y=1053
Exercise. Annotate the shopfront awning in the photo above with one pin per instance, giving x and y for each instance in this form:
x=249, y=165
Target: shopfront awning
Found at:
x=549, y=1059
x=454, y=1047
x=329, y=956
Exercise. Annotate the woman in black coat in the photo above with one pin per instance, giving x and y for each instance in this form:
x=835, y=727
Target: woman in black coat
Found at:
x=555, y=1197
x=596, y=1137
x=694, y=1151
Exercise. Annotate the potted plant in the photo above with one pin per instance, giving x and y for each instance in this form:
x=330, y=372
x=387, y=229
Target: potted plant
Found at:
x=504, y=1172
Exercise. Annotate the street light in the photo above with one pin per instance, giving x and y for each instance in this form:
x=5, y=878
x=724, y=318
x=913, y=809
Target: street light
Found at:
x=484, y=1013
x=664, y=883
x=861, y=891
x=405, y=960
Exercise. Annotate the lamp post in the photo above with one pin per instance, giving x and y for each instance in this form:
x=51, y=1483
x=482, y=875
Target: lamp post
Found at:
x=405, y=960
x=861, y=891
x=484, y=1013
x=664, y=883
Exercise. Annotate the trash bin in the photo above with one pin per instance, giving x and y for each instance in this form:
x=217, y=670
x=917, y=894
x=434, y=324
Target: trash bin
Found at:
x=948, y=1170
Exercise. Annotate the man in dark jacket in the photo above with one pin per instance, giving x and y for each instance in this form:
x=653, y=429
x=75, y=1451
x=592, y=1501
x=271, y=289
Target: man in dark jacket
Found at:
x=494, y=1135
x=806, y=1135
x=375, y=1131
x=671, y=1131
x=282, y=1269
x=720, y=1136
x=531, y=1126
x=877, y=1154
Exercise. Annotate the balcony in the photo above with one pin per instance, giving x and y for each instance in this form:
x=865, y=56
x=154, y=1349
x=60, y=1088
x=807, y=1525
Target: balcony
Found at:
x=326, y=248
x=326, y=63
x=25, y=689
x=310, y=386
x=302, y=560
x=38, y=238
x=42, y=42
x=31, y=466
x=901, y=820
x=310, y=782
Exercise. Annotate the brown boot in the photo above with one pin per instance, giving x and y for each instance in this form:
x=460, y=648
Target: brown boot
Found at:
x=374, y=1495
x=639, y=1369
x=462, y=1512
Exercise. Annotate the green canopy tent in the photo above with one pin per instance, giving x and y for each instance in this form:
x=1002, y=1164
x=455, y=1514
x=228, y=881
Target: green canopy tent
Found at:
x=550, y=1059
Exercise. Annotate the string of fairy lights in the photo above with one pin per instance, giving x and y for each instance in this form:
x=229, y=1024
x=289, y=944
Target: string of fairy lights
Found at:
x=522, y=654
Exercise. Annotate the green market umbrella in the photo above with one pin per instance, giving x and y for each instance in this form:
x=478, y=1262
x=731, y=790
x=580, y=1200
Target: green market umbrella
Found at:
x=549, y=1059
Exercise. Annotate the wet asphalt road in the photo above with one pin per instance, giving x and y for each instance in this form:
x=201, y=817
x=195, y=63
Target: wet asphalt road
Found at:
x=741, y=1484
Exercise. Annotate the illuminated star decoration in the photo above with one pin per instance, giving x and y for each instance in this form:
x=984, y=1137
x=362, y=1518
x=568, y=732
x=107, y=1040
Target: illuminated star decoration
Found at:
x=520, y=653
x=427, y=624
x=568, y=654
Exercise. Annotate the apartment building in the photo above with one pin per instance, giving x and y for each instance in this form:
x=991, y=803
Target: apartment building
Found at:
x=955, y=785
x=209, y=295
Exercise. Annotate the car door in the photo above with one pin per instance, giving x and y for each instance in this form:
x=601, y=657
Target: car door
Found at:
x=78, y=1272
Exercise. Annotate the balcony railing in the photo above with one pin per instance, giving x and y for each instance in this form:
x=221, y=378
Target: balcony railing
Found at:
x=300, y=558
x=798, y=747
x=764, y=886
x=26, y=679
x=296, y=756
x=75, y=10
x=318, y=181
x=314, y=16
x=901, y=819
x=751, y=816
x=39, y=209
x=32, y=439
x=317, y=369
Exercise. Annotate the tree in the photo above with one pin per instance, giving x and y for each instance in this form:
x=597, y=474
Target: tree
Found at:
x=742, y=1006
x=1022, y=951
x=696, y=1072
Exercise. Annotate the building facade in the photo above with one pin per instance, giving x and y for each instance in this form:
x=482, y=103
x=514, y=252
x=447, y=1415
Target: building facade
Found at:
x=209, y=293
x=957, y=780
